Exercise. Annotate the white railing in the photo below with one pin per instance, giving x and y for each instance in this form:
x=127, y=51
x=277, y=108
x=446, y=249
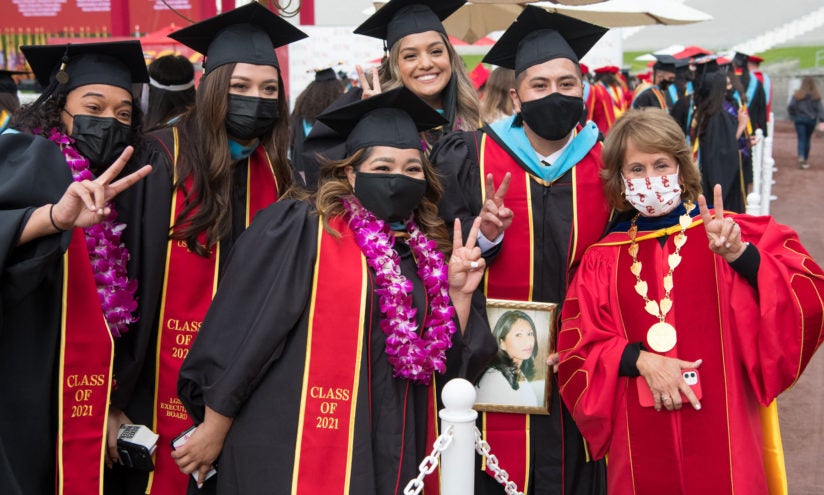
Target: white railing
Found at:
x=457, y=445
x=763, y=169
x=782, y=34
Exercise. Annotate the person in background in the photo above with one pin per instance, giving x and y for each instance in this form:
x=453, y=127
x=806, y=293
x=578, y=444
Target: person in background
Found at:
x=65, y=292
x=536, y=225
x=714, y=139
x=663, y=76
x=319, y=94
x=610, y=78
x=214, y=169
x=806, y=111
x=754, y=66
x=681, y=323
x=496, y=103
x=171, y=90
x=9, y=101
x=598, y=105
x=314, y=371
x=754, y=91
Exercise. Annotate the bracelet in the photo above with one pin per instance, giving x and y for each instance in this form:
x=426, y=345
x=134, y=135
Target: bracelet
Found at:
x=51, y=217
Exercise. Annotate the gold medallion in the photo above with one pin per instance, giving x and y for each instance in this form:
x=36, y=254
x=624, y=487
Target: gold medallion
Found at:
x=661, y=337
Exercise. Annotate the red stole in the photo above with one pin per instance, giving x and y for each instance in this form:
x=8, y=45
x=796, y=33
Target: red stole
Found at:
x=86, y=354
x=335, y=335
x=189, y=285
x=511, y=275
x=337, y=312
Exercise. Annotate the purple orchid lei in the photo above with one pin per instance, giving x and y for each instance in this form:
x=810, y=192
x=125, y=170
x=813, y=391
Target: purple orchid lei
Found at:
x=414, y=357
x=107, y=254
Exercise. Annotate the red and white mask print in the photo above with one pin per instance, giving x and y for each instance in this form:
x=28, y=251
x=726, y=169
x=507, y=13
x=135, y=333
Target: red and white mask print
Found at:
x=653, y=196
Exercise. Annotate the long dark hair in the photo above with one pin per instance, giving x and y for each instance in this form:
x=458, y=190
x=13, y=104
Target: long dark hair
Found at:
x=502, y=360
x=205, y=156
x=709, y=98
x=315, y=98
x=334, y=185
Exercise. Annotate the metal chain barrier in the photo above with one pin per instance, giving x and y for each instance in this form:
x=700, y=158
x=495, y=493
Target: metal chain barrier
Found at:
x=429, y=463
x=501, y=476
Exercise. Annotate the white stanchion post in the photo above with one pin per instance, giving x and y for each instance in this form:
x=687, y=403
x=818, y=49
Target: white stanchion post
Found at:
x=458, y=461
x=769, y=169
x=758, y=170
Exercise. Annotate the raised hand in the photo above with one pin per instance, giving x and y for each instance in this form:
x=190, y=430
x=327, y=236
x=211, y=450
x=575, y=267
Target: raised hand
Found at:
x=466, y=269
x=495, y=217
x=723, y=233
x=84, y=203
x=369, y=90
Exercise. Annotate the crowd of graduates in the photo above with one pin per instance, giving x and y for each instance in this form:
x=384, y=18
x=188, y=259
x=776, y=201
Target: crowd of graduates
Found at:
x=299, y=287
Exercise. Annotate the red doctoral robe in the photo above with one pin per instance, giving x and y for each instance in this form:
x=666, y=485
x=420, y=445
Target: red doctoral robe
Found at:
x=754, y=345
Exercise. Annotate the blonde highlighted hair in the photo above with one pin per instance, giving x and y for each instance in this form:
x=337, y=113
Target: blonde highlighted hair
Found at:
x=651, y=130
x=467, y=113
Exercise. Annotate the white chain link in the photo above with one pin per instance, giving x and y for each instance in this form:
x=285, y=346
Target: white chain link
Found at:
x=501, y=476
x=429, y=462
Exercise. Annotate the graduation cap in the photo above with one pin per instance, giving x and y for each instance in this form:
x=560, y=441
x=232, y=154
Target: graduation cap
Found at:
x=740, y=59
x=666, y=63
x=115, y=63
x=608, y=69
x=399, y=18
x=7, y=84
x=247, y=34
x=327, y=74
x=756, y=59
x=393, y=118
x=537, y=36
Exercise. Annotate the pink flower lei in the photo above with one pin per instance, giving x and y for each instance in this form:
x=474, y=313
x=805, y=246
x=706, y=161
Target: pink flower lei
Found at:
x=414, y=357
x=107, y=254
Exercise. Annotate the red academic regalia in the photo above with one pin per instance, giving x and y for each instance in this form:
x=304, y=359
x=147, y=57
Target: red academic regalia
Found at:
x=600, y=107
x=754, y=344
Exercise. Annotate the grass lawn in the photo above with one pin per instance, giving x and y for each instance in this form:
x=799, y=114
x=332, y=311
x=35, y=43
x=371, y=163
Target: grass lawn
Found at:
x=804, y=54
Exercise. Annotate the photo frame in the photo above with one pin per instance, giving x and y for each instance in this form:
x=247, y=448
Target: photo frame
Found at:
x=520, y=361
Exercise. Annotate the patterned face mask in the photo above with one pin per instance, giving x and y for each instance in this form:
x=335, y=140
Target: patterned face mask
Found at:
x=653, y=196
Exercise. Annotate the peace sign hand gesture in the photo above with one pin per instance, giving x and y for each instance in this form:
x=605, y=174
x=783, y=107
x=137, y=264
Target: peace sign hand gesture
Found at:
x=466, y=269
x=495, y=217
x=369, y=90
x=723, y=233
x=84, y=203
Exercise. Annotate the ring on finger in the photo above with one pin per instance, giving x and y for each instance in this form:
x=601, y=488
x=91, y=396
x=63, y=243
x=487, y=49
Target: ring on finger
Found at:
x=474, y=264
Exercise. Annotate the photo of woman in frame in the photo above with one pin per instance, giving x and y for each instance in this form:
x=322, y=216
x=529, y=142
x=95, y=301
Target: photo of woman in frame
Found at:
x=516, y=379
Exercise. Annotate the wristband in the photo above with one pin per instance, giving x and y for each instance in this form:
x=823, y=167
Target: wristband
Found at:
x=51, y=217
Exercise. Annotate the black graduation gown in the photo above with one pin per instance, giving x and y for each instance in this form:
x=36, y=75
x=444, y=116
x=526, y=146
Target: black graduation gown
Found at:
x=681, y=113
x=720, y=160
x=248, y=359
x=457, y=164
x=757, y=108
x=146, y=207
x=33, y=172
x=648, y=99
x=297, y=159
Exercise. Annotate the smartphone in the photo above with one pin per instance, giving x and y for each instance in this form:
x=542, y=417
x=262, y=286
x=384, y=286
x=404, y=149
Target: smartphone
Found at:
x=184, y=437
x=135, y=445
x=690, y=376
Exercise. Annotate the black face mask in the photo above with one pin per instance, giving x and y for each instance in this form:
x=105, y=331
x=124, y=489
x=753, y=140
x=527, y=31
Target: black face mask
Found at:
x=664, y=84
x=250, y=117
x=391, y=197
x=554, y=116
x=100, y=139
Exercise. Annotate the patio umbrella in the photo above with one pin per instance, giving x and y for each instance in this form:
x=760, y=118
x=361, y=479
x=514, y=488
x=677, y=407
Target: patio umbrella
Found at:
x=557, y=2
x=626, y=13
x=474, y=21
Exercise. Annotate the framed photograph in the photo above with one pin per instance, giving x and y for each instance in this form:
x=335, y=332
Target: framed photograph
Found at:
x=517, y=380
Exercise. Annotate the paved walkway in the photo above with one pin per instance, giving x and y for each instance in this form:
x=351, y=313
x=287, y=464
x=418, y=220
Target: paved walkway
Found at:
x=800, y=204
